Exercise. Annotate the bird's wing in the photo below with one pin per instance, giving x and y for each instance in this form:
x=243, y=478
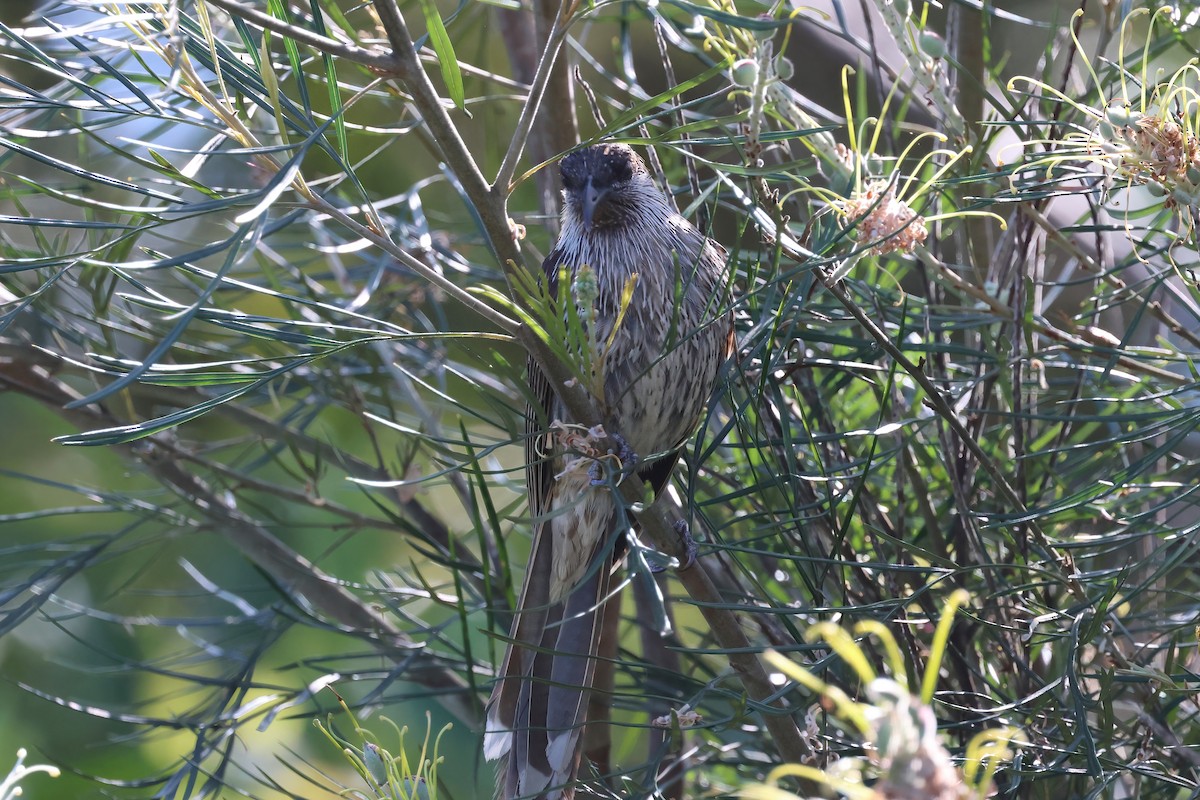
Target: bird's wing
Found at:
x=711, y=258
x=531, y=618
x=539, y=470
x=716, y=260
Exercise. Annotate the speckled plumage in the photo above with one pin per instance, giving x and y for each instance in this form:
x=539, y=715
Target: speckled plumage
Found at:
x=660, y=371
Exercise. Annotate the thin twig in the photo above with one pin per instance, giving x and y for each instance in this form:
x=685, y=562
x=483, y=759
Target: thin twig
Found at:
x=1002, y=310
x=658, y=529
x=1089, y=263
x=508, y=166
x=367, y=56
x=593, y=104
x=692, y=173
x=426, y=529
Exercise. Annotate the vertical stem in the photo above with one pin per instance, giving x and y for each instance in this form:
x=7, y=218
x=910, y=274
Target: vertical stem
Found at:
x=557, y=119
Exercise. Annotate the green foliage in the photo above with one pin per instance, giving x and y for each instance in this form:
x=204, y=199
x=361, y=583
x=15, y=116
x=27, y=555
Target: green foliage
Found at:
x=285, y=293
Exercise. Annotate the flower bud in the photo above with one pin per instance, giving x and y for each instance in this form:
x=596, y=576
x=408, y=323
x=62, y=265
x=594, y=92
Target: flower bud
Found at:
x=744, y=72
x=416, y=789
x=1121, y=115
x=932, y=45
x=765, y=33
x=373, y=760
x=784, y=68
x=585, y=287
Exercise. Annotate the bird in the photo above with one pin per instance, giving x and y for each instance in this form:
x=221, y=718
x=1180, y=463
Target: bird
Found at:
x=660, y=368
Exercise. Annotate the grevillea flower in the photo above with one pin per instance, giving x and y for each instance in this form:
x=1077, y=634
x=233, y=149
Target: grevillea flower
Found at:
x=1148, y=138
x=894, y=727
x=882, y=209
x=883, y=221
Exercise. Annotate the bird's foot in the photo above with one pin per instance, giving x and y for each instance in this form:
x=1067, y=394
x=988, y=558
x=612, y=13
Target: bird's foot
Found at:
x=690, y=548
x=626, y=458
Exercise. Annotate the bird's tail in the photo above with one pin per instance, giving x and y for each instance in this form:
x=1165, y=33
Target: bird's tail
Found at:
x=539, y=707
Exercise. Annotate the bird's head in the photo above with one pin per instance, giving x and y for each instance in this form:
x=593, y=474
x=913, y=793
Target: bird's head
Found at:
x=604, y=184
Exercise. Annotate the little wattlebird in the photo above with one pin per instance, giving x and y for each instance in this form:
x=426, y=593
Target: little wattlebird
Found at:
x=659, y=369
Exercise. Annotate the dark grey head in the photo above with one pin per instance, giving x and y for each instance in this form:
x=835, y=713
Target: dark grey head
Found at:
x=601, y=183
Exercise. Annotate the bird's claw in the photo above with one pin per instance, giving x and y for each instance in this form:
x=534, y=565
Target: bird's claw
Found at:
x=690, y=548
x=626, y=458
x=629, y=459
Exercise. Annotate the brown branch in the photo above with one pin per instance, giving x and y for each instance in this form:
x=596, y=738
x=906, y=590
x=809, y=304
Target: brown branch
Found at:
x=433, y=531
x=430, y=531
x=1003, y=311
x=557, y=118
x=1088, y=261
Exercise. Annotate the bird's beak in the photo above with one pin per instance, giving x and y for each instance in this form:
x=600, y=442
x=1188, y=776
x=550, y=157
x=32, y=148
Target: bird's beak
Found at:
x=592, y=198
